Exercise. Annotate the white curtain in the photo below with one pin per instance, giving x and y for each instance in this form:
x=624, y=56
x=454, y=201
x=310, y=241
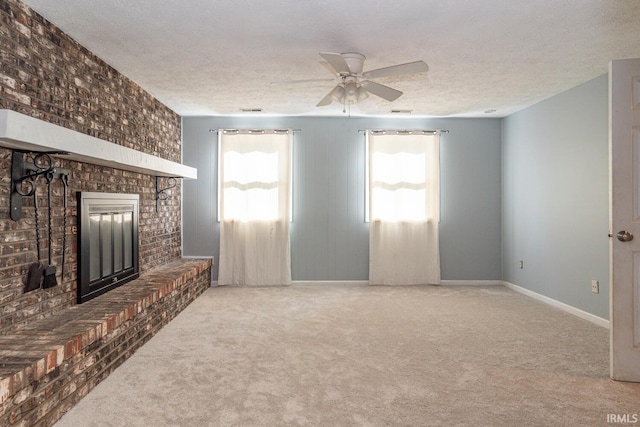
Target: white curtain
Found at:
x=404, y=208
x=254, y=180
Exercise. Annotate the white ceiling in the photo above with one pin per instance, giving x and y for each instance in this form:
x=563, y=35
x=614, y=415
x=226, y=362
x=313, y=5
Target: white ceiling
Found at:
x=215, y=57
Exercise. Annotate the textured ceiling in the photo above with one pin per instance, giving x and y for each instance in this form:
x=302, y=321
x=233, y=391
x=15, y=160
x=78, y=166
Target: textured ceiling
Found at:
x=216, y=57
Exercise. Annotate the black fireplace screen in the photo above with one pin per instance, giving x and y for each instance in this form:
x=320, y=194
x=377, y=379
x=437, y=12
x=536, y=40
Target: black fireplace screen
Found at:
x=107, y=242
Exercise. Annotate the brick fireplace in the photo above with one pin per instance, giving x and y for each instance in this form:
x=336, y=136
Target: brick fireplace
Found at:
x=48, y=76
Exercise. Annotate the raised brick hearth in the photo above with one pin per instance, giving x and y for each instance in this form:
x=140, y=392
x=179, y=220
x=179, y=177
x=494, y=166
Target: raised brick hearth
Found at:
x=46, y=367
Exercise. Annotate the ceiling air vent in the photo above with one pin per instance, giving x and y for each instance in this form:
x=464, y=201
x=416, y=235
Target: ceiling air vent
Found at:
x=401, y=111
x=251, y=110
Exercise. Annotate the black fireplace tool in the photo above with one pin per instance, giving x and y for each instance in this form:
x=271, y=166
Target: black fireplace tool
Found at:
x=65, y=184
x=36, y=270
x=50, y=280
x=25, y=175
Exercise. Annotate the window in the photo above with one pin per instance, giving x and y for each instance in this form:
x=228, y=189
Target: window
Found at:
x=404, y=208
x=403, y=177
x=254, y=179
x=254, y=175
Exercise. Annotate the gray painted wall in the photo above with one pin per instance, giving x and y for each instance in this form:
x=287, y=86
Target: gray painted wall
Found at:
x=555, y=197
x=329, y=238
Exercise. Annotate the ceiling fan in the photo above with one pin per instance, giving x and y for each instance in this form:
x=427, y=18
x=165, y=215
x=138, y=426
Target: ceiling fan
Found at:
x=352, y=88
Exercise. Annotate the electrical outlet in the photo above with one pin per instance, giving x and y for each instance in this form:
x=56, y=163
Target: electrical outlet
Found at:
x=521, y=264
x=595, y=287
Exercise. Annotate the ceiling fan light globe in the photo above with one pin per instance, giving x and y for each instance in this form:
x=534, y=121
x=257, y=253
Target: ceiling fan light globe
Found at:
x=351, y=91
x=362, y=94
x=337, y=93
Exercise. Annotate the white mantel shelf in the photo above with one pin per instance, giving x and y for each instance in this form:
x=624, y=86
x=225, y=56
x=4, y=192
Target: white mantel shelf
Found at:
x=22, y=132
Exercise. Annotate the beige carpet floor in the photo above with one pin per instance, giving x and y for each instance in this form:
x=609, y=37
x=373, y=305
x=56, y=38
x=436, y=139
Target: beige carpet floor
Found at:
x=364, y=356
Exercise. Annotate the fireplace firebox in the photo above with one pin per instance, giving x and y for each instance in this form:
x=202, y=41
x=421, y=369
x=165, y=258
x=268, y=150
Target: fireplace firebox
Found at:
x=107, y=242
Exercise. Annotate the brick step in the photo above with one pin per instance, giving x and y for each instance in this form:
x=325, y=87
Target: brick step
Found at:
x=48, y=365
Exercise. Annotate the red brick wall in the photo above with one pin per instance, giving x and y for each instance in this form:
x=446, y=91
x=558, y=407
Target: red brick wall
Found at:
x=46, y=74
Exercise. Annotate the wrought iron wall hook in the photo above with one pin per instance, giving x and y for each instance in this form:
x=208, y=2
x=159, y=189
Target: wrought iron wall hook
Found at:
x=162, y=193
x=24, y=172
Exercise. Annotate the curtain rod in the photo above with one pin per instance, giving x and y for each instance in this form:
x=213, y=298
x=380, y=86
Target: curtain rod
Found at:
x=257, y=131
x=403, y=131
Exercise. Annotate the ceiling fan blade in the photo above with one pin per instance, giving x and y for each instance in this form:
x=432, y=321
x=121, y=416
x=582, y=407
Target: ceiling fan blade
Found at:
x=329, y=68
x=337, y=62
x=384, y=92
x=397, y=70
x=328, y=99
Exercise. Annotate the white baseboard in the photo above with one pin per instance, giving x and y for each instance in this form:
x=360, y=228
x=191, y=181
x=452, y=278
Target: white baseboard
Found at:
x=562, y=306
x=471, y=282
x=329, y=282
